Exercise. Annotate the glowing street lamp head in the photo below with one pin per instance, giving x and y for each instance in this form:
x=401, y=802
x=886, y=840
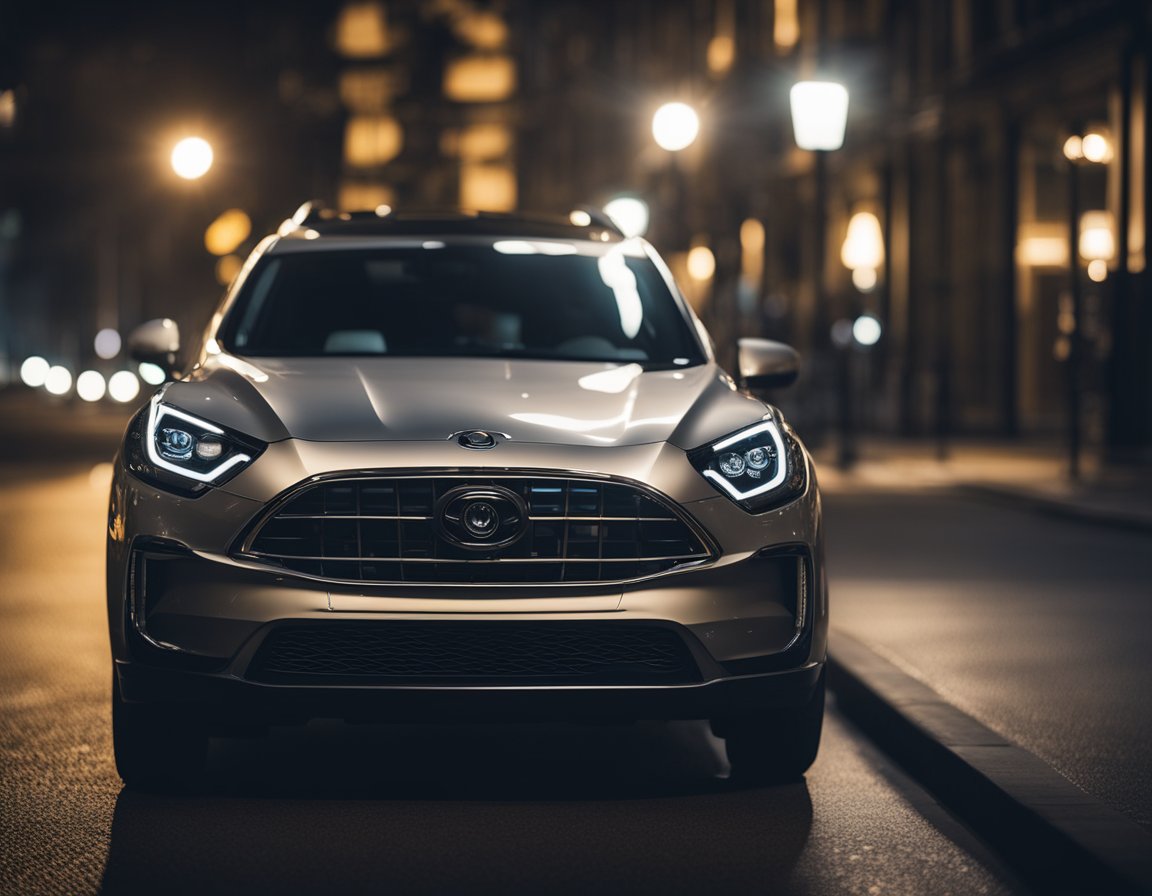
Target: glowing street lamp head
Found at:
x=191, y=158
x=819, y=114
x=675, y=126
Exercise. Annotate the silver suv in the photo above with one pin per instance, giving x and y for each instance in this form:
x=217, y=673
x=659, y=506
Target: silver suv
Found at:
x=461, y=467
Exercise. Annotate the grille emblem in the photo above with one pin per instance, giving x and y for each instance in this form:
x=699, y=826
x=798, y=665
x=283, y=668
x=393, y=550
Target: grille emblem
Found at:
x=482, y=518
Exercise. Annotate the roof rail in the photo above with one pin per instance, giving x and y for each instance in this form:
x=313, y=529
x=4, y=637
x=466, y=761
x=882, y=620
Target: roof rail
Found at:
x=307, y=213
x=598, y=217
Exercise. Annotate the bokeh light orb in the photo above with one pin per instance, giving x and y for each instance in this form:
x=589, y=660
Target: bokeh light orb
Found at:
x=866, y=330
x=107, y=343
x=192, y=157
x=34, y=371
x=58, y=381
x=152, y=374
x=675, y=126
x=123, y=386
x=90, y=385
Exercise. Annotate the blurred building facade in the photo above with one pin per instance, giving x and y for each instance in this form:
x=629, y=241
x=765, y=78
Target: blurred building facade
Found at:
x=1013, y=288
x=960, y=115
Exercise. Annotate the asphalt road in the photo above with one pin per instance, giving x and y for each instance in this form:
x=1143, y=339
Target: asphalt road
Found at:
x=408, y=809
x=1039, y=627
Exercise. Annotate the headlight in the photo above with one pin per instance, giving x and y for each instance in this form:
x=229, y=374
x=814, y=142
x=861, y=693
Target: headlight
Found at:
x=184, y=453
x=759, y=468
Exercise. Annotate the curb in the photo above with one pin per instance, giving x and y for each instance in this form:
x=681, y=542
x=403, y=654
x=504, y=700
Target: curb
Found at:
x=1057, y=837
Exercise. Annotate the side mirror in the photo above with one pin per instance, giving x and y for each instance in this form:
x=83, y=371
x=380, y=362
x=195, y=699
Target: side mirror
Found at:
x=765, y=364
x=156, y=342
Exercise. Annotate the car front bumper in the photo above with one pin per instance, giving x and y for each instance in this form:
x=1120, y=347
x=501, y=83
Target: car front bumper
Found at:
x=188, y=618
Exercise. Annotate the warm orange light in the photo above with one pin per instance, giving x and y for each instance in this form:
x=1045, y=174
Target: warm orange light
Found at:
x=1042, y=245
x=864, y=243
x=362, y=195
x=480, y=79
x=191, y=158
x=752, y=252
x=701, y=264
x=227, y=232
x=721, y=54
x=362, y=31
x=1097, y=147
x=484, y=141
x=487, y=187
x=786, y=28
x=7, y=108
x=227, y=268
x=482, y=29
x=371, y=140
x=1096, y=240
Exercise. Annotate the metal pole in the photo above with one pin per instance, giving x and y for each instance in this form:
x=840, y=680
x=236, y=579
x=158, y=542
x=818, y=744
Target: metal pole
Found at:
x=1074, y=335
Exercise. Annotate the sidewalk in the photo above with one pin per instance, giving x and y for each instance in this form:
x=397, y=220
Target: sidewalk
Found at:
x=1001, y=658
x=1028, y=474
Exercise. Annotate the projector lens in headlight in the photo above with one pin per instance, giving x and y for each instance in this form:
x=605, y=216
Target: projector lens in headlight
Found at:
x=759, y=467
x=175, y=444
x=731, y=465
x=185, y=453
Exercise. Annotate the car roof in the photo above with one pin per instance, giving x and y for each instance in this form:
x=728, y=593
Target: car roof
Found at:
x=322, y=224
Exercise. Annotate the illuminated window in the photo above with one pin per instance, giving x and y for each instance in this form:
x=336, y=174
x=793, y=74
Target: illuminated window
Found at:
x=362, y=31
x=487, y=187
x=372, y=140
x=786, y=29
x=359, y=195
x=480, y=79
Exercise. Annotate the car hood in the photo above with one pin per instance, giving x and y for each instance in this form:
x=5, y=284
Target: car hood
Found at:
x=421, y=399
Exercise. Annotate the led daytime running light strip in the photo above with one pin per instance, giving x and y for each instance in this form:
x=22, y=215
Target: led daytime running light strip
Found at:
x=781, y=461
x=157, y=413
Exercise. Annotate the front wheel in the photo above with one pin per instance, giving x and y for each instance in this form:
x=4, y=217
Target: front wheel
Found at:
x=775, y=747
x=158, y=747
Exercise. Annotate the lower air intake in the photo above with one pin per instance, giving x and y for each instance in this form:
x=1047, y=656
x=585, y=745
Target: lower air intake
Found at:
x=474, y=653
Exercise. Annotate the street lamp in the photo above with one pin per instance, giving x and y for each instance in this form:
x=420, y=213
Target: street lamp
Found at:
x=819, y=118
x=1092, y=239
x=191, y=158
x=819, y=114
x=675, y=126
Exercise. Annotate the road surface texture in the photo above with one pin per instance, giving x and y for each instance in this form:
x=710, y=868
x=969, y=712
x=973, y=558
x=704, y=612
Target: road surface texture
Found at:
x=409, y=809
x=1040, y=628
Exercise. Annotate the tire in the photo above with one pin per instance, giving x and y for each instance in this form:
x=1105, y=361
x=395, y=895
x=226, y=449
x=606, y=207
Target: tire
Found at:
x=158, y=747
x=776, y=747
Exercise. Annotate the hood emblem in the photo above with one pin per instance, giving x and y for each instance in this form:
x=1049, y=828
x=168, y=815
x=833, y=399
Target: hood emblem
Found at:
x=476, y=439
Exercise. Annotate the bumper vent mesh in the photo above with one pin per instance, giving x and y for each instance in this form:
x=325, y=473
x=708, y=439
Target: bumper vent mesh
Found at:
x=376, y=529
x=474, y=652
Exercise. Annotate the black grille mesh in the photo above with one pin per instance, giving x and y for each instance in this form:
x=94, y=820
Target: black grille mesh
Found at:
x=385, y=530
x=475, y=652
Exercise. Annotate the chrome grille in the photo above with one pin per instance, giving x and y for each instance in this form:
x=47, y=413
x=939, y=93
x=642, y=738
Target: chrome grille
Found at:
x=385, y=529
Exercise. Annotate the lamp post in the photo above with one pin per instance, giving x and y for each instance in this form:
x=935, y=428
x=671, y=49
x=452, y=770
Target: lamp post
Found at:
x=819, y=116
x=1089, y=148
x=675, y=127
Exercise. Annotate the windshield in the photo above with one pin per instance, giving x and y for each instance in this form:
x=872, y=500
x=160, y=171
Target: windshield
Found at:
x=502, y=298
